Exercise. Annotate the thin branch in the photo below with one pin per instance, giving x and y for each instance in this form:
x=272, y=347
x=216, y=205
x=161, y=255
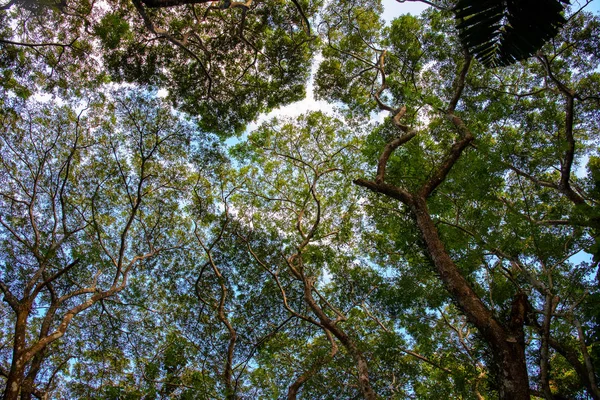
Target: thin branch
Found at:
x=402, y=349
x=162, y=33
x=62, y=45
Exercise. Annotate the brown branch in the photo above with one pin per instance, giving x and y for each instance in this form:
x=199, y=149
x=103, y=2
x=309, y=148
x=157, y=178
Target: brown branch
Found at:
x=63, y=45
x=221, y=315
x=303, y=15
x=340, y=315
x=281, y=289
x=313, y=369
x=466, y=136
x=587, y=360
x=389, y=149
x=451, y=158
x=347, y=341
x=257, y=345
x=549, y=307
x=55, y=276
x=567, y=163
x=380, y=68
x=573, y=358
x=66, y=320
x=162, y=33
x=172, y=3
x=389, y=190
x=459, y=84
x=565, y=170
x=12, y=301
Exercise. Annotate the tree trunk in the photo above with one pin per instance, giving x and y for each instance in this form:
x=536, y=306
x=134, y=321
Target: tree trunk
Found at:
x=506, y=342
x=28, y=386
x=14, y=381
x=16, y=374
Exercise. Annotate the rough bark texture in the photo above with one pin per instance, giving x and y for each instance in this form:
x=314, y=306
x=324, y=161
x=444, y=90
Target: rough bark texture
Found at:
x=508, y=350
x=506, y=341
x=16, y=374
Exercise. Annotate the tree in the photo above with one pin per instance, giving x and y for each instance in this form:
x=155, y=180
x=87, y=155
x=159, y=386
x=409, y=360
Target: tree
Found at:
x=224, y=64
x=86, y=201
x=411, y=69
x=438, y=238
x=298, y=168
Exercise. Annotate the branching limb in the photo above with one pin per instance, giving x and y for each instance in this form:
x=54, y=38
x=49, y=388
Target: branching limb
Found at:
x=451, y=158
x=549, y=307
x=162, y=33
x=392, y=191
x=12, y=301
x=313, y=369
x=389, y=149
x=459, y=84
x=569, y=155
x=457, y=148
x=303, y=15
x=587, y=360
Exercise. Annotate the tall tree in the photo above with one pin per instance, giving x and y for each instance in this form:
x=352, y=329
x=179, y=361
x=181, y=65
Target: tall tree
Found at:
x=86, y=201
x=422, y=153
x=224, y=63
x=298, y=168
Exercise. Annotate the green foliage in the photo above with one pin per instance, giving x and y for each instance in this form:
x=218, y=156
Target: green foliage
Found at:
x=208, y=256
x=111, y=30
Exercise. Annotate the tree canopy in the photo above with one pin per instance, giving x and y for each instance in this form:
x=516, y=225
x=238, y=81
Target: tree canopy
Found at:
x=435, y=236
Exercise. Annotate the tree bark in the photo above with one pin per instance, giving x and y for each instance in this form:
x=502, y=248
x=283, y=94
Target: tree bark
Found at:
x=16, y=375
x=506, y=343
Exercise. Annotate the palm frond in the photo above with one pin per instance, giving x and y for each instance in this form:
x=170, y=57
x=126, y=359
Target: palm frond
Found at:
x=501, y=32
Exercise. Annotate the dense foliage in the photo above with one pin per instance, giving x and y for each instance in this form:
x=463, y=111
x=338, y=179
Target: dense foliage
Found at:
x=437, y=237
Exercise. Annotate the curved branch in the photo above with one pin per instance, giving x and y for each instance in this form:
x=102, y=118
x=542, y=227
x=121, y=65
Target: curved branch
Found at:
x=455, y=151
x=162, y=33
x=313, y=370
x=303, y=15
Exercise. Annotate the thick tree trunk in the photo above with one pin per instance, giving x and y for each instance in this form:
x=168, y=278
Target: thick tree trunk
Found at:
x=506, y=342
x=28, y=386
x=513, y=381
x=16, y=375
x=14, y=381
